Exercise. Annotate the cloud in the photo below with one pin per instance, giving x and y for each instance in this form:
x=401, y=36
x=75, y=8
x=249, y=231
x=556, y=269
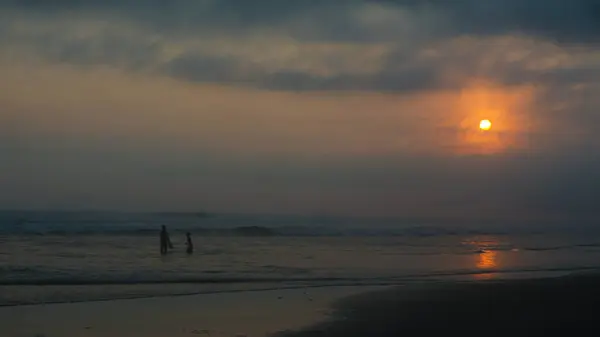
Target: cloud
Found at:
x=559, y=20
x=398, y=46
x=279, y=63
x=368, y=107
x=569, y=21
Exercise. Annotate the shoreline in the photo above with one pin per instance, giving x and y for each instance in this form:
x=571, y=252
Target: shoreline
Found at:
x=231, y=288
x=200, y=293
x=247, y=313
x=414, y=309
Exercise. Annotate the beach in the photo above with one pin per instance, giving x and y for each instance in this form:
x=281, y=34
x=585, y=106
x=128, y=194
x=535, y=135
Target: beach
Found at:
x=246, y=313
x=101, y=275
x=558, y=306
x=518, y=307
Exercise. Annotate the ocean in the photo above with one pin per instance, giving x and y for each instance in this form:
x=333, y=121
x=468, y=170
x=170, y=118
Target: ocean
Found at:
x=50, y=257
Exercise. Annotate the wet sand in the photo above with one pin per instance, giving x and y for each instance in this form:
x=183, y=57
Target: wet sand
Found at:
x=251, y=313
x=537, y=307
x=564, y=306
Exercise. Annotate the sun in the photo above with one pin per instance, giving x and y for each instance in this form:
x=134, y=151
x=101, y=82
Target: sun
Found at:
x=485, y=124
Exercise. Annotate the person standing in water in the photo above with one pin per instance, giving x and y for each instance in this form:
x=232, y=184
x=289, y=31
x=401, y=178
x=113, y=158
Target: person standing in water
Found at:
x=165, y=241
x=189, y=243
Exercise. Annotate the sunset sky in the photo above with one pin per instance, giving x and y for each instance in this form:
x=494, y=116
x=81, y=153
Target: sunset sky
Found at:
x=297, y=106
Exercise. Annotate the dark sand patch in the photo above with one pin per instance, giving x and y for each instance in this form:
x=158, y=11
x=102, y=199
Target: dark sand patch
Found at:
x=564, y=306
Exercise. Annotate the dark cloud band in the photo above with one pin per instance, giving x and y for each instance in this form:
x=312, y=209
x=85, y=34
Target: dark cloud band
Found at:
x=576, y=21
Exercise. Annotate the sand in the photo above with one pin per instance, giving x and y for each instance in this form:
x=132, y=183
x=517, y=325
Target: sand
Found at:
x=563, y=306
x=252, y=313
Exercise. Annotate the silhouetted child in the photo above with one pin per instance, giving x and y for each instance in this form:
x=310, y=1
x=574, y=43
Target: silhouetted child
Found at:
x=189, y=243
x=165, y=241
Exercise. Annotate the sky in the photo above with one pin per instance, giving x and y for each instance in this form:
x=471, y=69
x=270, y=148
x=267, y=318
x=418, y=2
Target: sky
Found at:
x=367, y=108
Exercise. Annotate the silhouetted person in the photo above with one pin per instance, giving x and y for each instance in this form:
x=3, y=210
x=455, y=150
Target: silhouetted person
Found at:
x=165, y=241
x=189, y=243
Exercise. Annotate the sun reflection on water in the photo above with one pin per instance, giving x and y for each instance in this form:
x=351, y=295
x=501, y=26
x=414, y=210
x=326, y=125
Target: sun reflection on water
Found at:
x=486, y=261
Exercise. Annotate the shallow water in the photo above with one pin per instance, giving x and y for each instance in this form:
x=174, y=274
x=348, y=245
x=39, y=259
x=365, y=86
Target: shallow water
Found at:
x=58, y=259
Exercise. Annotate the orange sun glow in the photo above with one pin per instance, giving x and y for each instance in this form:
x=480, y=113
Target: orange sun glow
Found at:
x=484, y=106
x=485, y=124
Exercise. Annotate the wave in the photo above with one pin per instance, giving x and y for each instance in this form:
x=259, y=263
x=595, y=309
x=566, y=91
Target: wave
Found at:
x=20, y=293
x=145, y=229
x=543, y=249
x=200, y=223
x=277, y=280
x=562, y=247
x=180, y=280
x=589, y=245
x=111, y=230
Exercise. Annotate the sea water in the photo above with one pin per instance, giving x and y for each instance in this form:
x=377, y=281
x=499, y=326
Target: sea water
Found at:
x=48, y=257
